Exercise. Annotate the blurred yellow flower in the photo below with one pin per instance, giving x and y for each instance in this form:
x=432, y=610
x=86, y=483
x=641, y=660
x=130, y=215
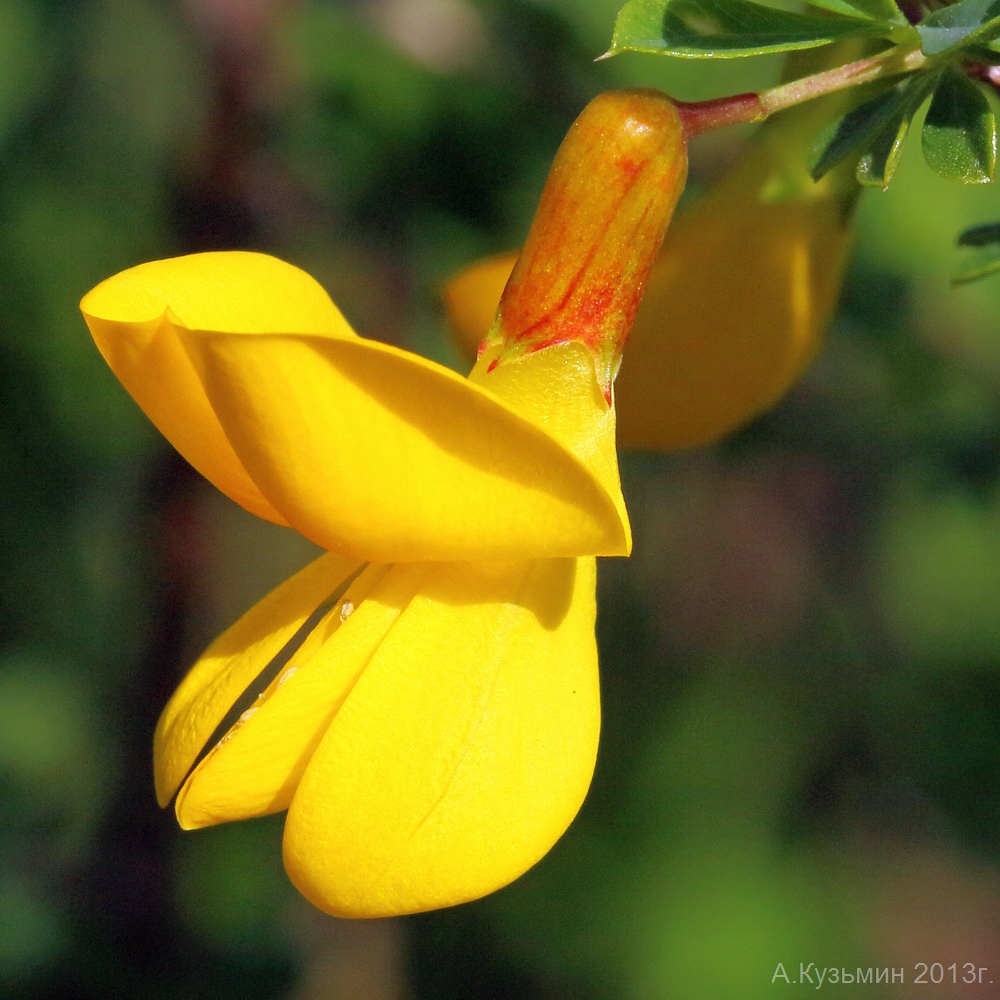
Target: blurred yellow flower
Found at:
x=427, y=699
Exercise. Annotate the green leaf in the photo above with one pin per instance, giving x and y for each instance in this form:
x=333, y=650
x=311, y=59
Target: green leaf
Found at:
x=960, y=25
x=873, y=132
x=728, y=28
x=960, y=131
x=983, y=254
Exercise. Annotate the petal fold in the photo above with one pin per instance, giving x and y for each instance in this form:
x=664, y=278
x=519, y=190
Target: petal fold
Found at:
x=376, y=453
x=247, y=367
x=133, y=318
x=463, y=751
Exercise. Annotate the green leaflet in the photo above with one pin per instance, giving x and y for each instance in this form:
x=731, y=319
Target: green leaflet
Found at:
x=960, y=131
x=731, y=28
x=960, y=25
x=873, y=132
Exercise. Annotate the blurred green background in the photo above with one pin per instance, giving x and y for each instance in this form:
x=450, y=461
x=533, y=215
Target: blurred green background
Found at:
x=801, y=662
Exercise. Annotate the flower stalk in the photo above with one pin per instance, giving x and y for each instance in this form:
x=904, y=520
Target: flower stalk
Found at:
x=894, y=62
x=704, y=116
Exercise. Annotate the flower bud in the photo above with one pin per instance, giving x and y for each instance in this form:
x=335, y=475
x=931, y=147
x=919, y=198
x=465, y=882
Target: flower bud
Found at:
x=737, y=303
x=602, y=216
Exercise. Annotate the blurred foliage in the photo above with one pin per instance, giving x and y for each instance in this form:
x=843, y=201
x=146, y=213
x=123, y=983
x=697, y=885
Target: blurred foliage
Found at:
x=801, y=663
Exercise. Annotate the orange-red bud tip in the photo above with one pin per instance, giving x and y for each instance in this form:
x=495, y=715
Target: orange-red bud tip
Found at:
x=599, y=224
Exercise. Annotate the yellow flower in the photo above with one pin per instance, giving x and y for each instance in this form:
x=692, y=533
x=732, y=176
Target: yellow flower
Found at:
x=738, y=301
x=426, y=692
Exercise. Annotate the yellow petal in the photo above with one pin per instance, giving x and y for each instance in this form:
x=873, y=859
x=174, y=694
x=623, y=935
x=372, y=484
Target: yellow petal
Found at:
x=255, y=768
x=233, y=662
x=462, y=752
x=557, y=388
x=378, y=454
x=132, y=317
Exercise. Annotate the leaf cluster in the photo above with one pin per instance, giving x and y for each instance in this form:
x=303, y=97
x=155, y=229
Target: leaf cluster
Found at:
x=946, y=58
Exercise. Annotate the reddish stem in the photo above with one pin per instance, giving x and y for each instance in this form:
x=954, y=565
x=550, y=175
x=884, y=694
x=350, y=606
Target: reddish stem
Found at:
x=703, y=116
